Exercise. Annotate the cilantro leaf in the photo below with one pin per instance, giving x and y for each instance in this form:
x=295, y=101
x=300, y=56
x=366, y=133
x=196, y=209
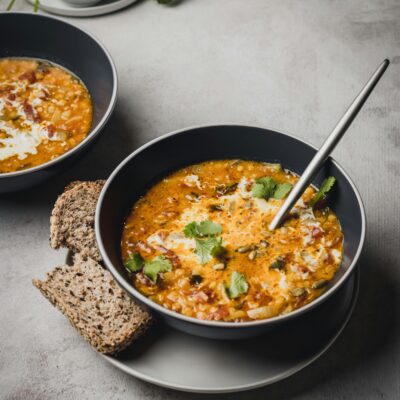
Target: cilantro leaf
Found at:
x=207, y=245
x=238, y=285
x=282, y=190
x=190, y=230
x=263, y=188
x=208, y=248
x=267, y=181
x=201, y=229
x=257, y=190
x=208, y=228
x=267, y=187
x=156, y=266
x=219, y=251
x=326, y=186
x=135, y=263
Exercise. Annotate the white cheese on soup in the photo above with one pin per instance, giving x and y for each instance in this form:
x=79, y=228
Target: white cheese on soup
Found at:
x=242, y=188
x=267, y=207
x=24, y=141
x=282, y=281
x=21, y=143
x=194, y=213
x=336, y=254
x=193, y=180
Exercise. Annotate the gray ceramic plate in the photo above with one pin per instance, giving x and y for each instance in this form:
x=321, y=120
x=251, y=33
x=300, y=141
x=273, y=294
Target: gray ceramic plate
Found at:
x=176, y=360
x=60, y=7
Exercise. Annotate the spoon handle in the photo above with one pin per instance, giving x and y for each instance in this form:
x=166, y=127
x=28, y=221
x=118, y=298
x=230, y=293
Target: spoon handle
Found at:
x=328, y=146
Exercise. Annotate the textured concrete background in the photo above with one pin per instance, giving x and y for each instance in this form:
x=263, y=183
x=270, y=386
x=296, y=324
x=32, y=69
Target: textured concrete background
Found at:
x=289, y=65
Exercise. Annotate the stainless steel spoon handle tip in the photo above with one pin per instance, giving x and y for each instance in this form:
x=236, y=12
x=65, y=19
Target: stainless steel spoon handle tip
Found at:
x=328, y=146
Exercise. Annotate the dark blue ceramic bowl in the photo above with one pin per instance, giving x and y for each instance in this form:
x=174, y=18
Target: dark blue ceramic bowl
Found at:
x=48, y=38
x=155, y=160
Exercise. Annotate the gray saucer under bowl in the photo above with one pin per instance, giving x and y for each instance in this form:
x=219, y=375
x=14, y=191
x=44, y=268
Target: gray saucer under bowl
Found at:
x=172, y=359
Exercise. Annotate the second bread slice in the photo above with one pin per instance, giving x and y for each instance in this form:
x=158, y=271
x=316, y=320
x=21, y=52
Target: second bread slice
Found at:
x=72, y=219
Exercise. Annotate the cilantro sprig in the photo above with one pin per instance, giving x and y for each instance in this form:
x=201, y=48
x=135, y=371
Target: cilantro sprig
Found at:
x=266, y=187
x=238, y=285
x=202, y=229
x=208, y=248
x=135, y=263
x=151, y=268
x=207, y=244
x=263, y=188
x=326, y=186
x=35, y=5
x=282, y=190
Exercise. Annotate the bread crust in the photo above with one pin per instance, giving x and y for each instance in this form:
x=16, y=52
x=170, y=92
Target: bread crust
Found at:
x=72, y=219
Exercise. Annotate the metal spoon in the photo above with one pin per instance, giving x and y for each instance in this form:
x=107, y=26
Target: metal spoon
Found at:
x=328, y=146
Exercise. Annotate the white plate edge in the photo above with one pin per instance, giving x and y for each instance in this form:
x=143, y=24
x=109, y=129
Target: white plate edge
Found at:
x=92, y=11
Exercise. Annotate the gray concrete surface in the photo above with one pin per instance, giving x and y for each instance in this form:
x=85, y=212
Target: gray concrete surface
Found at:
x=290, y=65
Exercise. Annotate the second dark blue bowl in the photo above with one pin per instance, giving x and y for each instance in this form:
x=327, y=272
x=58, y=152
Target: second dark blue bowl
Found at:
x=48, y=38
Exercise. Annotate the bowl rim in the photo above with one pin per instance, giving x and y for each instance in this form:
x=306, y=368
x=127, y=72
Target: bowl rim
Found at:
x=93, y=131
x=131, y=290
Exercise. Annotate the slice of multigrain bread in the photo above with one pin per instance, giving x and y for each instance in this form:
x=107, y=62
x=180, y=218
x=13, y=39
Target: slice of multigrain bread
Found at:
x=72, y=219
x=95, y=305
